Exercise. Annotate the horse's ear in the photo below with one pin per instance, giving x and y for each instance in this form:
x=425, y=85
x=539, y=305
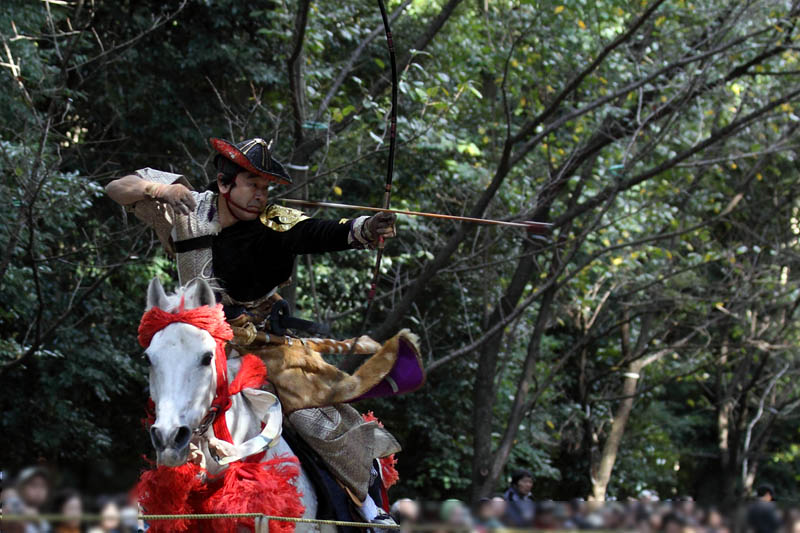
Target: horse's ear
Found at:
x=156, y=297
x=200, y=294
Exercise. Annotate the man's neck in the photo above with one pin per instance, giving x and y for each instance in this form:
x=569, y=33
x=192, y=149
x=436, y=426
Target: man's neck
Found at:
x=226, y=218
x=519, y=492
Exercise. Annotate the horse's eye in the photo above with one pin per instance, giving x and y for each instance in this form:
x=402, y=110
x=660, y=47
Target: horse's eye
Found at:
x=147, y=359
x=206, y=360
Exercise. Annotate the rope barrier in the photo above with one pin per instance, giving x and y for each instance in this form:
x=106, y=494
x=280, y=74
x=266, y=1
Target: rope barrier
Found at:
x=209, y=516
x=262, y=522
x=267, y=517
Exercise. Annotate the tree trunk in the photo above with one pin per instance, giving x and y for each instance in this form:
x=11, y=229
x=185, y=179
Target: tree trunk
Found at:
x=522, y=404
x=601, y=472
x=611, y=446
x=484, y=389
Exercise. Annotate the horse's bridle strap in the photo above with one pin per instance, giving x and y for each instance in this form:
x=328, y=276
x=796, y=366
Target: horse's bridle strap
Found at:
x=207, y=420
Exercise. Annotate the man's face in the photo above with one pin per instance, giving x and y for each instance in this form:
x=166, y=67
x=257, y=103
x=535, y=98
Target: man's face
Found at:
x=251, y=191
x=524, y=485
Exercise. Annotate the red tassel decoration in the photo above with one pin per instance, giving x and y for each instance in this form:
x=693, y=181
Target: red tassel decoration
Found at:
x=166, y=490
x=389, y=473
x=252, y=374
x=258, y=488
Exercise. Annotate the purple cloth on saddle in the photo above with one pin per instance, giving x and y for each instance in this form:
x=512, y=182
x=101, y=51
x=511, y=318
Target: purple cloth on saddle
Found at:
x=406, y=374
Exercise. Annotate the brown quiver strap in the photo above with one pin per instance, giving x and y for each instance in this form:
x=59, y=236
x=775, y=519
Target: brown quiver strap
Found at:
x=250, y=338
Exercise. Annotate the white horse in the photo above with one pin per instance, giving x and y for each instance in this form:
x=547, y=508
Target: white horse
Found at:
x=183, y=384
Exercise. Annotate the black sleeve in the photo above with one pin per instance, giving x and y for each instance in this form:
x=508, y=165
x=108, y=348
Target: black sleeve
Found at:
x=316, y=236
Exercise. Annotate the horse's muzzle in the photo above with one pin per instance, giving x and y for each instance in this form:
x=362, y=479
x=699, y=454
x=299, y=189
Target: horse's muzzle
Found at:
x=171, y=446
x=172, y=457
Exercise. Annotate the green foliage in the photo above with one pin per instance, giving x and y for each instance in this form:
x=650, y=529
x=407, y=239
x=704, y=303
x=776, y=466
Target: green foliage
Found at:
x=61, y=391
x=691, y=260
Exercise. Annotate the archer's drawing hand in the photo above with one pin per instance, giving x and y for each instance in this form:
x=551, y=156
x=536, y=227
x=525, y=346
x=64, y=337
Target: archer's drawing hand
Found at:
x=380, y=225
x=178, y=196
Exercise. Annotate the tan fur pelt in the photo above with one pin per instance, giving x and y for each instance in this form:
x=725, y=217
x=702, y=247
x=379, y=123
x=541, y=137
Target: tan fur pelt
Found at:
x=364, y=345
x=303, y=379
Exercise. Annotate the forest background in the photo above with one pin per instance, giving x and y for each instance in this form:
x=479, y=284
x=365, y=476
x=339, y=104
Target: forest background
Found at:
x=650, y=341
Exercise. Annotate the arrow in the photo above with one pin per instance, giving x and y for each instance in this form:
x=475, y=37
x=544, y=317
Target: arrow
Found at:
x=532, y=227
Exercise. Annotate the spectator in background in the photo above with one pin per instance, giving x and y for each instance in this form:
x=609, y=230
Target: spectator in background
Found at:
x=546, y=516
x=613, y=516
x=520, y=508
x=673, y=523
x=762, y=517
x=405, y=511
x=499, y=504
x=68, y=502
x=791, y=520
x=576, y=509
x=129, y=519
x=11, y=504
x=33, y=488
x=686, y=506
x=652, y=520
x=455, y=516
x=109, y=518
x=713, y=522
x=428, y=512
x=486, y=516
x=130, y=513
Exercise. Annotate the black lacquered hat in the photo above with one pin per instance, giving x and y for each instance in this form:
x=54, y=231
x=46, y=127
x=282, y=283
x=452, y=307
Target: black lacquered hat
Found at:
x=253, y=155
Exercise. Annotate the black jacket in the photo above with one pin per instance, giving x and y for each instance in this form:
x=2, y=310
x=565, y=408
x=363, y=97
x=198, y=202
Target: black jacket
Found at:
x=250, y=259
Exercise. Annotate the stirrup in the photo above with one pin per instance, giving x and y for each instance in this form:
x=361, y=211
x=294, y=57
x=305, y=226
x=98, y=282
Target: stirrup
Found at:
x=382, y=519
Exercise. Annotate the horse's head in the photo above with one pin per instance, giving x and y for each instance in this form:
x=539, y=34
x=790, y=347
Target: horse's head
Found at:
x=182, y=372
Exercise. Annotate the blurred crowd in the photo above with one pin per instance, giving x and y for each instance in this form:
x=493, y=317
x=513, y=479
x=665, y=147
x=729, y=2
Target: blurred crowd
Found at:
x=31, y=494
x=516, y=508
